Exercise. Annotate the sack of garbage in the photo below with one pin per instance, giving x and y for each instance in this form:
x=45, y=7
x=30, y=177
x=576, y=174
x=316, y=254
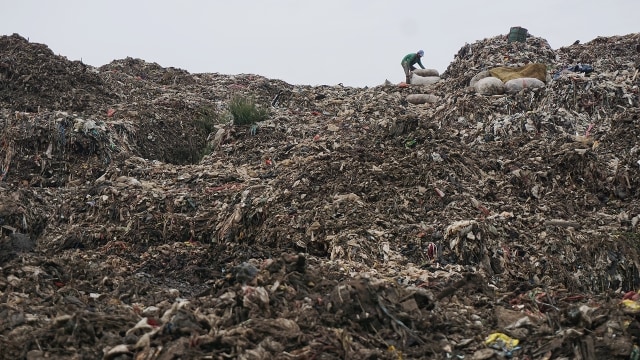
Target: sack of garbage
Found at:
x=490, y=86
x=421, y=98
x=506, y=73
x=517, y=85
x=423, y=80
x=479, y=76
x=426, y=72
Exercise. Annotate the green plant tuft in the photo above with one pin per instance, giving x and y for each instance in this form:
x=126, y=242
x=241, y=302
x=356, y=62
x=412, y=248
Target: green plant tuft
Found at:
x=245, y=111
x=207, y=118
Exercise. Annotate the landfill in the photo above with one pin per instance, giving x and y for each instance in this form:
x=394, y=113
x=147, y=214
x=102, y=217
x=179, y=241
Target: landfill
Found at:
x=422, y=221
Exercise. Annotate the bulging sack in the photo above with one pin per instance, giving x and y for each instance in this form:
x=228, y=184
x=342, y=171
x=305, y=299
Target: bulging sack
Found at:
x=424, y=80
x=421, y=98
x=516, y=85
x=479, y=76
x=490, y=86
x=426, y=72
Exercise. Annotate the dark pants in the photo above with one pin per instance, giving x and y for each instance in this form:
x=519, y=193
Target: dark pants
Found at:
x=407, y=71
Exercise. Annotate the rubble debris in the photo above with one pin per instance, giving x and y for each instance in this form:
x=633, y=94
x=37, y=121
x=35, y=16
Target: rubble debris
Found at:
x=136, y=221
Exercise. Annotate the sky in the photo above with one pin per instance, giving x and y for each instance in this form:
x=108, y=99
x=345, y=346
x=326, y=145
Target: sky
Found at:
x=323, y=42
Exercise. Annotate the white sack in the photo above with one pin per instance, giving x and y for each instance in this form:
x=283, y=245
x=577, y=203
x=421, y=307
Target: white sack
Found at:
x=515, y=85
x=490, y=86
x=426, y=72
x=479, y=76
x=421, y=98
x=424, y=80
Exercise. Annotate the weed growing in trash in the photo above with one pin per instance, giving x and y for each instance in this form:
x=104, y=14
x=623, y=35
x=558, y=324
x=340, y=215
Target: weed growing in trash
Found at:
x=245, y=111
x=207, y=118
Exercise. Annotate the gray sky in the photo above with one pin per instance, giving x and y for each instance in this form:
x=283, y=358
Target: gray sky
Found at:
x=321, y=42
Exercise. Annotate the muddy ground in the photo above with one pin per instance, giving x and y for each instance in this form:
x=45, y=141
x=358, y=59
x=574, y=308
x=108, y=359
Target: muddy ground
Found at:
x=138, y=222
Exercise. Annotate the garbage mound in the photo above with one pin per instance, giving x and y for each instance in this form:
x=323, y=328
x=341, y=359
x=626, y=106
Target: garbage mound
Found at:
x=33, y=79
x=138, y=221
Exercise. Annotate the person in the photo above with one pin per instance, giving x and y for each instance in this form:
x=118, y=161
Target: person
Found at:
x=408, y=61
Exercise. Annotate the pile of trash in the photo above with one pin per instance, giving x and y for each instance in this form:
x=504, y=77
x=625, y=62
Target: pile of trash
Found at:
x=138, y=222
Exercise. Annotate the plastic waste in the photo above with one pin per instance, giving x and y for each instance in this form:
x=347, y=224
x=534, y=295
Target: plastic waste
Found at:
x=635, y=353
x=580, y=68
x=409, y=143
x=502, y=342
x=631, y=305
x=583, y=68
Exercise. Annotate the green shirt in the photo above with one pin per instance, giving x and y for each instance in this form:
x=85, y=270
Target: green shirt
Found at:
x=412, y=59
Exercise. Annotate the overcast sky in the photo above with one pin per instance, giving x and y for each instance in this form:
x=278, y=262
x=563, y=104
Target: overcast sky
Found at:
x=320, y=42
